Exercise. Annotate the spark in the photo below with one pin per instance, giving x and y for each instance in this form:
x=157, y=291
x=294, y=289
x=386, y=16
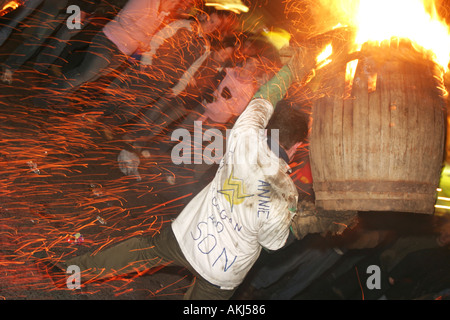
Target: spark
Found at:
x=70, y=150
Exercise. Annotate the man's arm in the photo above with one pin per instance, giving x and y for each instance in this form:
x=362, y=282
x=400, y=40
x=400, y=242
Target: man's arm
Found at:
x=296, y=69
x=258, y=112
x=134, y=13
x=275, y=89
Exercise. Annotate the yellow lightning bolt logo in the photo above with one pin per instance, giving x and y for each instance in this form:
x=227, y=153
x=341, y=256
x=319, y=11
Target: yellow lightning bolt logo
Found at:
x=234, y=191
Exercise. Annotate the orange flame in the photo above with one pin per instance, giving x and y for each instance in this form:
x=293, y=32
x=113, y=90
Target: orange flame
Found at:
x=382, y=20
x=324, y=57
x=11, y=5
x=416, y=20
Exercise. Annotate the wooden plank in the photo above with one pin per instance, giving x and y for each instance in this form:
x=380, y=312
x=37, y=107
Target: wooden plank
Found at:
x=360, y=117
x=385, y=120
x=377, y=186
x=388, y=142
x=337, y=128
x=407, y=206
x=316, y=148
x=399, y=115
x=413, y=125
x=374, y=133
x=347, y=139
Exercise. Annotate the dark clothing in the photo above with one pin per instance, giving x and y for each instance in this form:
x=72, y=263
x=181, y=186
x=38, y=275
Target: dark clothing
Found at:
x=49, y=17
x=18, y=16
x=421, y=273
x=99, y=13
x=102, y=57
x=147, y=252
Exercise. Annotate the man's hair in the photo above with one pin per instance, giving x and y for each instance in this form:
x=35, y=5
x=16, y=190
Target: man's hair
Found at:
x=291, y=121
x=223, y=43
x=230, y=20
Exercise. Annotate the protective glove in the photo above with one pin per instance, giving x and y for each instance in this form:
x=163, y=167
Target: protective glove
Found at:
x=310, y=219
x=302, y=63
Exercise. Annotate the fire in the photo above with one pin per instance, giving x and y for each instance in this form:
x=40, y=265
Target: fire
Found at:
x=350, y=71
x=11, y=5
x=235, y=6
x=416, y=20
x=324, y=57
x=382, y=20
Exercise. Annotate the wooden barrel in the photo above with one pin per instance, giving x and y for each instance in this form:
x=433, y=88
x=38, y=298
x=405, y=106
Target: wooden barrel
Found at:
x=379, y=146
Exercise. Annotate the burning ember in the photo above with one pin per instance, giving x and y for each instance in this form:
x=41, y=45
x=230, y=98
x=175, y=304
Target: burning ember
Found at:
x=10, y=6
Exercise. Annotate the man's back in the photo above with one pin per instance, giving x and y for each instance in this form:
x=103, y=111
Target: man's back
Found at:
x=248, y=205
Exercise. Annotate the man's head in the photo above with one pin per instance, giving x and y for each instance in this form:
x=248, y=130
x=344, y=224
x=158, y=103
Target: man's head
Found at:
x=292, y=124
x=223, y=49
x=221, y=22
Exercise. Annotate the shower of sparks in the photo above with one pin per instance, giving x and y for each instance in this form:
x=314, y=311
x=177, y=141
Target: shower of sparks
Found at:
x=40, y=209
x=59, y=177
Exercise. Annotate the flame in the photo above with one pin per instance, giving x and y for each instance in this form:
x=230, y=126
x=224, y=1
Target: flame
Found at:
x=235, y=6
x=378, y=22
x=12, y=4
x=416, y=20
x=350, y=71
x=324, y=57
x=382, y=20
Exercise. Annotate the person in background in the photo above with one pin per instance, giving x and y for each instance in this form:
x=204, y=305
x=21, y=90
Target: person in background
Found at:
x=131, y=30
x=226, y=103
x=184, y=108
x=94, y=16
x=177, y=52
x=49, y=17
x=414, y=243
x=21, y=14
x=157, y=89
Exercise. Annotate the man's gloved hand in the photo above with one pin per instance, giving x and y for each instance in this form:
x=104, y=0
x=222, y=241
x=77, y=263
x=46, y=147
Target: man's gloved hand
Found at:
x=310, y=219
x=301, y=63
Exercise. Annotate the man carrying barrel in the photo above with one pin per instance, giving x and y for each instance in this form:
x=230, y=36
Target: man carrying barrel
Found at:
x=249, y=205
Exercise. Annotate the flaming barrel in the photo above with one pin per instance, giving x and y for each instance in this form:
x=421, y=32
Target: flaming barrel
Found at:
x=377, y=141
